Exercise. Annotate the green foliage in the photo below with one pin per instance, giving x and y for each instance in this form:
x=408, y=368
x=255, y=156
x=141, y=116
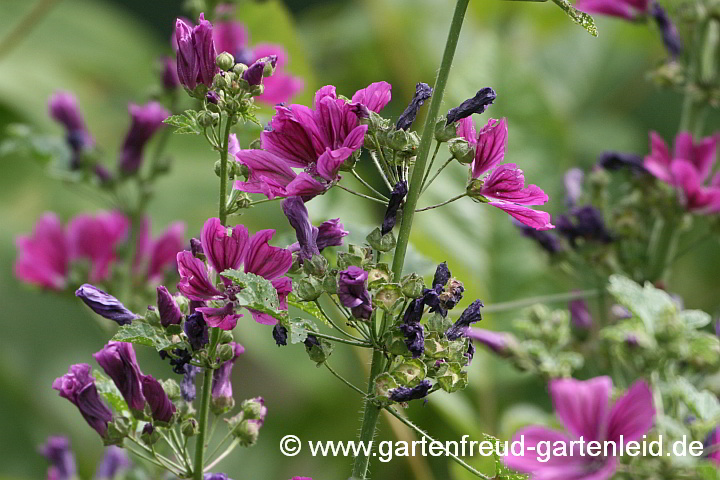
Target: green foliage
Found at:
x=107, y=390
x=256, y=293
x=308, y=307
x=581, y=18
x=141, y=333
x=502, y=472
x=186, y=122
x=44, y=149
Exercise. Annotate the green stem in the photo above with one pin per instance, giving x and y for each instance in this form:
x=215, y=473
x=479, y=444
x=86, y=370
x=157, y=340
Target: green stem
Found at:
x=224, y=173
x=439, y=171
x=372, y=412
x=342, y=379
x=526, y=302
x=341, y=340
x=427, y=171
x=203, y=414
x=361, y=195
x=25, y=26
x=368, y=186
x=333, y=324
x=441, y=204
x=420, y=431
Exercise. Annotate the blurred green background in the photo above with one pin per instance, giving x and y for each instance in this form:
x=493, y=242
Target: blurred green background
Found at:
x=567, y=96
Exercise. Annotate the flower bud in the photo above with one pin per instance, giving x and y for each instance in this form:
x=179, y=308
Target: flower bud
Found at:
x=380, y=242
x=239, y=69
x=168, y=310
x=461, y=150
x=225, y=352
x=330, y=282
x=474, y=190
x=257, y=90
x=160, y=405
x=398, y=140
x=149, y=434
x=308, y=289
x=317, y=266
x=190, y=427
x=248, y=432
x=412, y=285
x=225, y=61
x=226, y=337
x=443, y=131
x=105, y=304
x=207, y=119
x=254, y=408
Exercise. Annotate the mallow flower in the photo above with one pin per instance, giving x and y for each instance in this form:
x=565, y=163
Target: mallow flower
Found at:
x=330, y=234
x=168, y=309
x=62, y=460
x=120, y=364
x=316, y=140
x=96, y=237
x=222, y=383
x=104, y=304
x=154, y=256
x=161, y=408
x=78, y=386
x=687, y=168
x=498, y=342
x=353, y=293
x=232, y=37
x=627, y=9
x=584, y=409
x=504, y=186
x=64, y=109
x=44, y=255
x=195, y=53
x=306, y=234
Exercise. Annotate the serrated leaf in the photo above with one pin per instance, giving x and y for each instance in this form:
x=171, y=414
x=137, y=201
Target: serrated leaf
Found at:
x=140, y=333
x=581, y=18
x=695, y=318
x=107, y=389
x=299, y=328
x=650, y=304
x=308, y=307
x=257, y=293
x=502, y=472
x=185, y=123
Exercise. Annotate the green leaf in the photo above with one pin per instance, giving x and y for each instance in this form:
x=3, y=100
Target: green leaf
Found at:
x=653, y=306
x=581, y=18
x=308, y=307
x=703, y=403
x=45, y=149
x=695, y=318
x=502, y=472
x=140, y=333
x=107, y=389
x=707, y=471
x=186, y=122
x=299, y=328
x=257, y=293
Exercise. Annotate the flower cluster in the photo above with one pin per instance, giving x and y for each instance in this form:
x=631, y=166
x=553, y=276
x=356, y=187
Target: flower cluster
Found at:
x=58, y=452
x=55, y=256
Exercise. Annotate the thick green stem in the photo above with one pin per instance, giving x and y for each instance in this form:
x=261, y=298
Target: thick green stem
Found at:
x=372, y=412
x=427, y=138
x=222, y=214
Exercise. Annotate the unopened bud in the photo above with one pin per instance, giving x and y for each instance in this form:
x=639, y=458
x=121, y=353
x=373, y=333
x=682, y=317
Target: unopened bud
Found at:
x=380, y=242
x=239, y=69
x=207, y=119
x=225, y=352
x=317, y=266
x=225, y=61
x=190, y=427
x=226, y=337
x=444, y=132
x=412, y=285
x=308, y=288
x=461, y=150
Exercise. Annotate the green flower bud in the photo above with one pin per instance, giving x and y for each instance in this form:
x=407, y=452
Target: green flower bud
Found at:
x=317, y=266
x=461, y=150
x=443, y=132
x=149, y=435
x=220, y=405
x=239, y=69
x=380, y=242
x=254, y=408
x=225, y=352
x=219, y=82
x=257, y=90
x=226, y=337
x=308, y=288
x=225, y=61
x=398, y=140
x=255, y=145
x=190, y=427
x=412, y=285
x=318, y=351
x=171, y=387
x=268, y=70
x=474, y=189
x=329, y=283
x=207, y=119
x=218, y=168
x=248, y=432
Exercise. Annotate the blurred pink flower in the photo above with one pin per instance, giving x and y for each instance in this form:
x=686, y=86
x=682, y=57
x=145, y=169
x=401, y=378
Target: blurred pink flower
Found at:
x=627, y=9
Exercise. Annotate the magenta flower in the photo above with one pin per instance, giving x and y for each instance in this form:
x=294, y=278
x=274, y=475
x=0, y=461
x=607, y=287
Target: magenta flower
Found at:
x=306, y=234
x=44, y=256
x=498, y=342
x=155, y=256
x=113, y=462
x=146, y=120
x=375, y=96
x=687, y=168
x=96, y=238
x=119, y=362
x=224, y=251
x=712, y=444
x=168, y=309
x=504, y=187
x=195, y=53
x=222, y=384
x=330, y=234
x=318, y=141
x=232, y=37
x=78, y=386
x=627, y=9
x=161, y=408
x=584, y=409
x=260, y=258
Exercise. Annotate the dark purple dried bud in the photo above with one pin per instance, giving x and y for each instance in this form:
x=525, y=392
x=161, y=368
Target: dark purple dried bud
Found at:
x=168, y=309
x=179, y=363
x=423, y=91
x=148, y=429
x=470, y=354
x=414, y=338
x=187, y=386
x=671, y=37
x=618, y=160
x=405, y=394
x=477, y=104
x=414, y=312
x=311, y=341
x=197, y=330
x=113, y=462
x=442, y=275
x=296, y=212
x=161, y=407
x=353, y=293
x=396, y=199
x=280, y=334
x=62, y=461
x=589, y=225
x=471, y=315
x=105, y=304
x=119, y=362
